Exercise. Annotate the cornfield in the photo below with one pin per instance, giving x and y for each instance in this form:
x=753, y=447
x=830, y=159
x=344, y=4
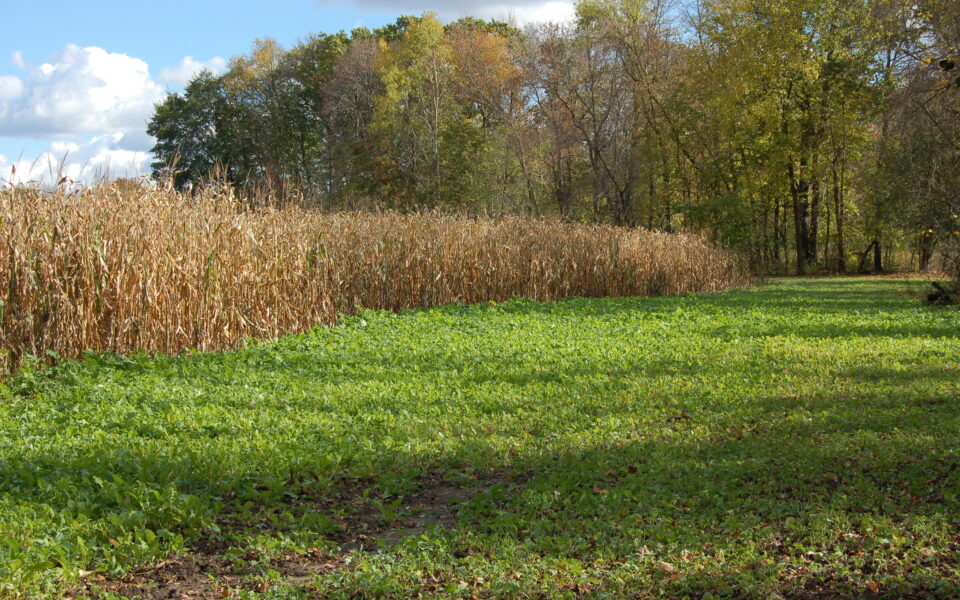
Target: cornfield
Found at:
x=121, y=267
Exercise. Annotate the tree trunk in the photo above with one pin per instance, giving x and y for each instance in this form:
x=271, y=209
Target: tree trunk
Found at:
x=838, y=215
x=652, y=204
x=667, y=216
x=826, y=235
x=863, y=257
x=925, y=246
x=776, y=233
x=814, y=191
x=799, y=192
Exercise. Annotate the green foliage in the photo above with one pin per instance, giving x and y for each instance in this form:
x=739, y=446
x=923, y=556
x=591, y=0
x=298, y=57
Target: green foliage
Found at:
x=800, y=436
x=775, y=127
x=428, y=147
x=494, y=27
x=191, y=131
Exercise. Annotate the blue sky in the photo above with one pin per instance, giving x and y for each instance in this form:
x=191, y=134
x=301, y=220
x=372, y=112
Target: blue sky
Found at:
x=80, y=82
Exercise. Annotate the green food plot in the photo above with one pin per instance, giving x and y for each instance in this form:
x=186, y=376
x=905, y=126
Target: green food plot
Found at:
x=799, y=439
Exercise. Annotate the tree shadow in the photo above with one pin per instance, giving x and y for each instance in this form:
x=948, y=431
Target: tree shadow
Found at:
x=830, y=501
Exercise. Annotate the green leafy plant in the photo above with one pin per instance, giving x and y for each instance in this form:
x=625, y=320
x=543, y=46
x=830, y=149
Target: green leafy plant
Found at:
x=798, y=438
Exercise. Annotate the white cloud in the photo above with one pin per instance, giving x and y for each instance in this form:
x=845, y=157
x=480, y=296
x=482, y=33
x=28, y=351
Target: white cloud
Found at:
x=522, y=12
x=536, y=12
x=111, y=155
x=80, y=91
x=92, y=106
x=10, y=87
x=181, y=74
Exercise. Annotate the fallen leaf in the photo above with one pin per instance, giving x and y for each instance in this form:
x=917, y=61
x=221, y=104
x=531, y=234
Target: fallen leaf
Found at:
x=666, y=567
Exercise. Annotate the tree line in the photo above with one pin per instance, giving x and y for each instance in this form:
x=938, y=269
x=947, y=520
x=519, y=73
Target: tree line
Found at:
x=809, y=134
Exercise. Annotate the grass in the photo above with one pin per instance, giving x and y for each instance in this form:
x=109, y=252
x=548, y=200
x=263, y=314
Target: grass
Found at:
x=122, y=267
x=798, y=440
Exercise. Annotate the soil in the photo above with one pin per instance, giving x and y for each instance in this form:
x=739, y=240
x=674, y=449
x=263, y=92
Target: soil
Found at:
x=205, y=574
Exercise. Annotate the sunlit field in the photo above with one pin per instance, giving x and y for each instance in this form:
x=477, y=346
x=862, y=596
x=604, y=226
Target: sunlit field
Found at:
x=798, y=439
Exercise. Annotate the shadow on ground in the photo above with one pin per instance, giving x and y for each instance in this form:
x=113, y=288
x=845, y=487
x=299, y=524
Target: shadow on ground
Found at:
x=846, y=488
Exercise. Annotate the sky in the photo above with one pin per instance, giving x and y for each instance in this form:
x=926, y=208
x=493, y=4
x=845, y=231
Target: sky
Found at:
x=78, y=85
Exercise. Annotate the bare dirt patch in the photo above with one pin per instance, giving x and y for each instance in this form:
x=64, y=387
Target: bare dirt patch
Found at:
x=206, y=573
x=436, y=505
x=201, y=576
